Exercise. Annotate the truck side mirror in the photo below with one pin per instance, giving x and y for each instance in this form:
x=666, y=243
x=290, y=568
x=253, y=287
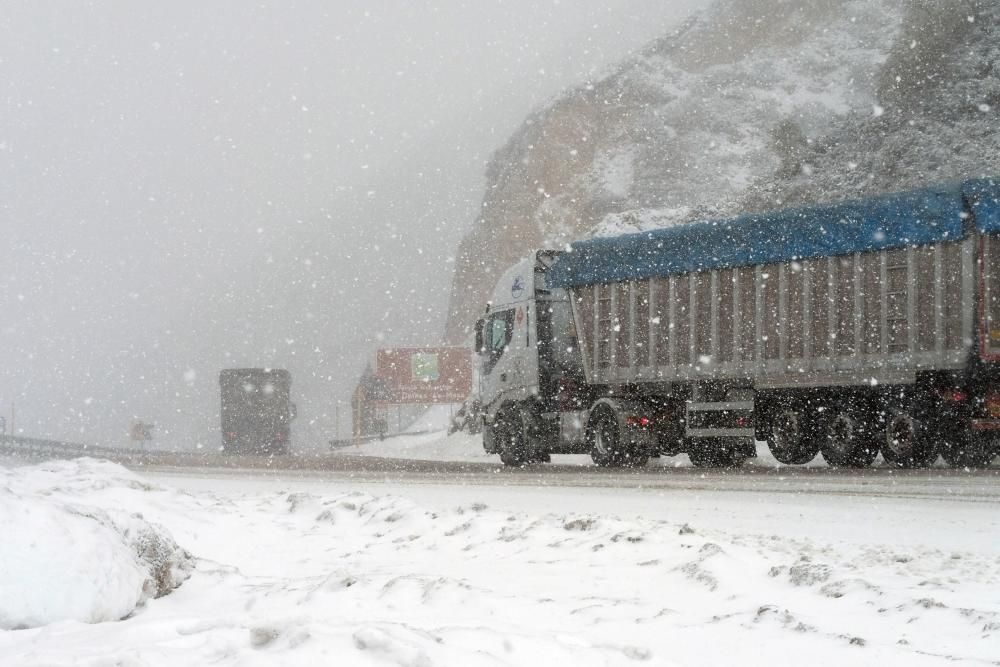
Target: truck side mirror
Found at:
x=479, y=336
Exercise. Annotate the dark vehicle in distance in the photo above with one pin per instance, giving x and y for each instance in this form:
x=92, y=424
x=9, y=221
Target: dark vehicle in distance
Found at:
x=256, y=413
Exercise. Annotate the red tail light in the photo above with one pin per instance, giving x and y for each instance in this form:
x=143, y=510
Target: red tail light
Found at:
x=953, y=395
x=638, y=421
x=993, y=405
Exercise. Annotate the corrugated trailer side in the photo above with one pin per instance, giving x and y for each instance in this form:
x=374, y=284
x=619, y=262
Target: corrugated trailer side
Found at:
x=852, y=319
x=854, y=293
x=849, y=328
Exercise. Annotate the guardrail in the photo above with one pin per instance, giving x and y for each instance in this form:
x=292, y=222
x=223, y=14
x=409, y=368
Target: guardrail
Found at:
x=37, y=449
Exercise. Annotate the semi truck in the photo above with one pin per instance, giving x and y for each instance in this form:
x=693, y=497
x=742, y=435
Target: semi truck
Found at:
x=256, y=410
x=849, y=329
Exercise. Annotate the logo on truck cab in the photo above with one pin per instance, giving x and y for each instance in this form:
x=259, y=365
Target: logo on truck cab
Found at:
x=517, y=288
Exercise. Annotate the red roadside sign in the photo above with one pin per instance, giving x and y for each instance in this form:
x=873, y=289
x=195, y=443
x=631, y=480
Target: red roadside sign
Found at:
x=425, y=374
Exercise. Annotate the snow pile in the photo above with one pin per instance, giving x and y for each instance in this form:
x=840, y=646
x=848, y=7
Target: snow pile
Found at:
x=435, y=418
x=401, y=583
x=321, y=572
x=64, y=559
x=435, y=446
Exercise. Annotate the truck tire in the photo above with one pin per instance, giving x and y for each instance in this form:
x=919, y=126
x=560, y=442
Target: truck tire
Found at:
x=602, y=435
x=793, y=440
x=537, y=441
x=850, y=440
x=967, y=450
x=607, y=448
x=511, y=442
x=906, y=442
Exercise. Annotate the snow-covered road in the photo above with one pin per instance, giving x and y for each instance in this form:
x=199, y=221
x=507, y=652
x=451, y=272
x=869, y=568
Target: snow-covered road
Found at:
x=831, y=507
x=556, y=565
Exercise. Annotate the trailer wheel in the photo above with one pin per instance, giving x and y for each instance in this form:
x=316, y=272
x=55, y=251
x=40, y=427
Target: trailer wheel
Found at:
x=967, y=450
x=906, y=443
x=791, y=441
x=849, y=440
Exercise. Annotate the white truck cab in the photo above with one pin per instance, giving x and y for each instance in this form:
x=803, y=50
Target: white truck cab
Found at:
x=533, y=390
x=507, y=338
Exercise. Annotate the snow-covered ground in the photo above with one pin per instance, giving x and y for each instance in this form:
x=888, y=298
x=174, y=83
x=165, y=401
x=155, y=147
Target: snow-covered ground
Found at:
x=65, y=560
x=324, y=569
x=433, y=446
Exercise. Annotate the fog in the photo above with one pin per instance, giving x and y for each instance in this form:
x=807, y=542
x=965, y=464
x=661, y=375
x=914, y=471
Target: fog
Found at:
x=191, y=186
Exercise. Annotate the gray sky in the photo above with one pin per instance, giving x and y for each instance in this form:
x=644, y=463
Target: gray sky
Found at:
x=186, y=186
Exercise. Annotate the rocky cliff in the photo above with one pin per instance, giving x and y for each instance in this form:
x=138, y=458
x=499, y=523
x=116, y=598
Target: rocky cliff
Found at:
x=751, y=105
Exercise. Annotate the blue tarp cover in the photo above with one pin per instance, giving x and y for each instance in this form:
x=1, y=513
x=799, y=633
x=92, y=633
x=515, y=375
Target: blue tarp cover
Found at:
x=913, y=218
x=983, y=197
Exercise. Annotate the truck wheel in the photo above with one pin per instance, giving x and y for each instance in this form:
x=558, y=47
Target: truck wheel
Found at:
x=606, y=445
x=905, y=441
x=967, y=451
x=510, y=440
x=535, y=441
x=849, y=441
x=604, y=439
x=791, y=441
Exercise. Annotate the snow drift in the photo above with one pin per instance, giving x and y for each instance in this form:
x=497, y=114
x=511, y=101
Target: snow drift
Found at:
x=64, y=559
x=306, y=570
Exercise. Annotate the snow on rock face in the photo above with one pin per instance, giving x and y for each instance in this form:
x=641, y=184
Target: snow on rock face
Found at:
x=678, y=132
x=63, y=559
x=753, y=105
x=935, y=120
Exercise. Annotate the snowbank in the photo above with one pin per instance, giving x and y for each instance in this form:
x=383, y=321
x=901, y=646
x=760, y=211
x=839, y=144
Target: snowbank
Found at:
x=434, y=446
x=64, y=559
x=435, y=418
x=325, y=570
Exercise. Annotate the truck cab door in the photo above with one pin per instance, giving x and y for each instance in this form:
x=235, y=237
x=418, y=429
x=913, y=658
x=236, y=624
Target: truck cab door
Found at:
x=494, y=354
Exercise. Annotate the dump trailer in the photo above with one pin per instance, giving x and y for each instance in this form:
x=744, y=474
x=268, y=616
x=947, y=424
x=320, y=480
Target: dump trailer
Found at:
x=849, y=329
x=256, y=410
